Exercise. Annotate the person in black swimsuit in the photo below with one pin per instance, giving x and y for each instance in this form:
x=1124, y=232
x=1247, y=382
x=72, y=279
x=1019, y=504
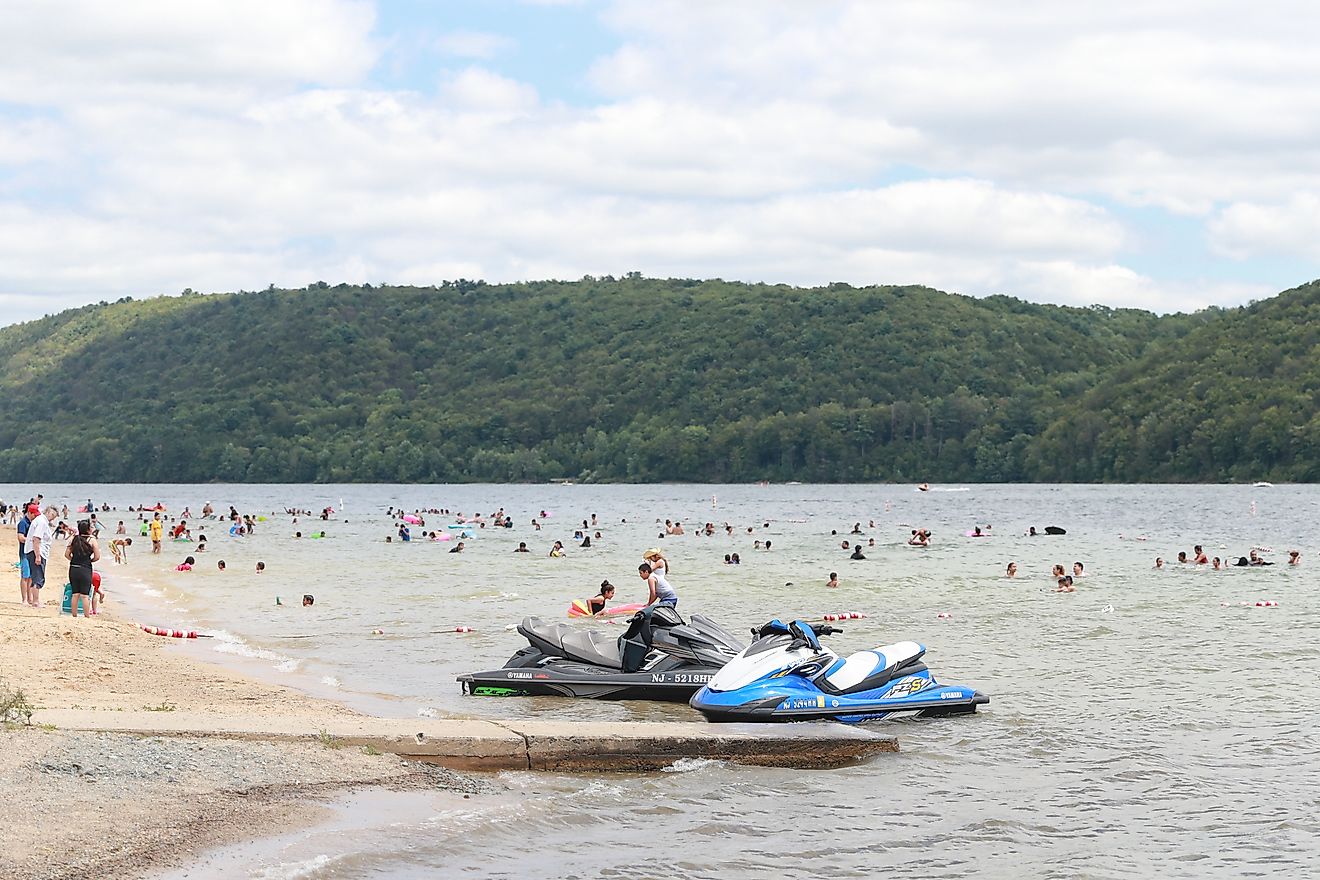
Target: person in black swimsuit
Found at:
x=596, y=604
x=81, y=552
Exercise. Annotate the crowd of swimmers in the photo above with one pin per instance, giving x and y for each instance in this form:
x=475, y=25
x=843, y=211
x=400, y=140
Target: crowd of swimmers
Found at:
x=1253, y=558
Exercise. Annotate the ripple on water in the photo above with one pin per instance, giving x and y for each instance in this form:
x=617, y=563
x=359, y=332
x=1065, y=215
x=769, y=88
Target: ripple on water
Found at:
x=1170, y=737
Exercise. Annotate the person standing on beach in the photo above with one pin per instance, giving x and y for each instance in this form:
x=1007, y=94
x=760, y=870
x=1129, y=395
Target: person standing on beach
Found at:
x=25, y=572
x=81, y=553
x=39, y=538
x=156, y=527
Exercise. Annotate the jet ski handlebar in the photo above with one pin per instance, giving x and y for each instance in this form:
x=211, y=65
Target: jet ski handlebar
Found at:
x=802, y=633
x=793, y=628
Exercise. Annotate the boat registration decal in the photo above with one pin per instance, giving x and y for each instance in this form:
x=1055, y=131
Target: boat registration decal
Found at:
x=681, y=677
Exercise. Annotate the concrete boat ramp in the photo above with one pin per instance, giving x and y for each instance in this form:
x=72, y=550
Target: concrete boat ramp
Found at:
x=476, y=744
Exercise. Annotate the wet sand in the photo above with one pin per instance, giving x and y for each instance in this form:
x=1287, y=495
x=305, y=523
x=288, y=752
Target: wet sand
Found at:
x=118, y=805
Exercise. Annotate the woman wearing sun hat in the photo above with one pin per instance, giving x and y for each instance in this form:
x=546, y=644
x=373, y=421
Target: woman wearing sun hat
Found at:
x=657, y=561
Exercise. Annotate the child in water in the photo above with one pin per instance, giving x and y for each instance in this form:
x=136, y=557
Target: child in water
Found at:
x=596, y=604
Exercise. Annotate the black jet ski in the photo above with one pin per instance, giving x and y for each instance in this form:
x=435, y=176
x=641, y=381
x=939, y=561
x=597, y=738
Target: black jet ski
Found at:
x=659, y=657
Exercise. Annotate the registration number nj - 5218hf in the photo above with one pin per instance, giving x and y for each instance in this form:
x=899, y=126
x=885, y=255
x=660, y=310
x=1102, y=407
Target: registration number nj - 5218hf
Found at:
x=681, y=677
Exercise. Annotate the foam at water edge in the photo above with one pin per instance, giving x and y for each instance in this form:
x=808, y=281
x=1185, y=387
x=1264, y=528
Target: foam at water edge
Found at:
x=688, y=765
x=427, y=712
x=331, y=681
x=227, y=643
x=295, y=870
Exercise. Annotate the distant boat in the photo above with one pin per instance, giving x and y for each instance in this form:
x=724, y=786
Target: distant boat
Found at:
x=1262, y=485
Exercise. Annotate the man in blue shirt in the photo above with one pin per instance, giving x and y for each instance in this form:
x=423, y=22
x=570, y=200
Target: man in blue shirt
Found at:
x=24, y=573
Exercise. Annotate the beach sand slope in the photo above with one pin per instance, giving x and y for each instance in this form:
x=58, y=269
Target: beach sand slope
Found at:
x=114, y=805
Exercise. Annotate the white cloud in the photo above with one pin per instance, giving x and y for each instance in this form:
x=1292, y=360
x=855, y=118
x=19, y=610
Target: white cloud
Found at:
x=1292, y=227
x=71, y=52
x=473, y=44
x=224, y=145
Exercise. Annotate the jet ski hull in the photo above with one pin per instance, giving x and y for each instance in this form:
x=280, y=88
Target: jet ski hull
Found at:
x=793, y=698
x=567, y=679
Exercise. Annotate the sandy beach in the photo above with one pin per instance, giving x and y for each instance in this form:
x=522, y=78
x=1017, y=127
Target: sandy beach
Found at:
x=119, y=805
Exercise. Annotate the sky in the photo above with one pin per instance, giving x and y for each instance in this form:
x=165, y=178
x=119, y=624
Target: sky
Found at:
x=1162, y=154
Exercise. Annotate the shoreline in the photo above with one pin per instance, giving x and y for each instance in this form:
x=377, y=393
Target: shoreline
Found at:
x=144, y=804
x=187, y=755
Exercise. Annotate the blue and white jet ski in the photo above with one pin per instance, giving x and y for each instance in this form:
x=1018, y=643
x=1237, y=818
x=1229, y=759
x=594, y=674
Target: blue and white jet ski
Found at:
x=786, y=675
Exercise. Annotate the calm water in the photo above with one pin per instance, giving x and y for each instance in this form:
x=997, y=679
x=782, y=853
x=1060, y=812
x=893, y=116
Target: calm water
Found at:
x=1138, y=727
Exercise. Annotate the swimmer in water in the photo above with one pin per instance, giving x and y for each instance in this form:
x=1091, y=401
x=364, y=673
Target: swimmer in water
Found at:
x=308, y=599
x=261, y=567
x=857, y=553
x=557, y=550
x=596, y=604
x=457, y=548
x=1065, y=585
x=220, y=565
x=1159, y=563
x=1012, y=570
x=1077, y=569
x=834, y=579
x=1200, y=557
x=521, y=548
x=1294, y=557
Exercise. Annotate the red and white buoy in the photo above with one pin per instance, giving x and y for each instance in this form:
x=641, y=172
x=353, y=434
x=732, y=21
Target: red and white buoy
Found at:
x=169, y=633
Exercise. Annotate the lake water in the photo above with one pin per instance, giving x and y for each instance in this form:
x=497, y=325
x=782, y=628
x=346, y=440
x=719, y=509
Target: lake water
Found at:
x=1139, y=727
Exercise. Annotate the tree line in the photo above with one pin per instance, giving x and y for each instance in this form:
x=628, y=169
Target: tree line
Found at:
x=641, y=380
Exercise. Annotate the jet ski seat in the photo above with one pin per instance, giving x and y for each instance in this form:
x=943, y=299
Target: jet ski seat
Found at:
x=867, y=669
x=561, y=640
x=591, y=647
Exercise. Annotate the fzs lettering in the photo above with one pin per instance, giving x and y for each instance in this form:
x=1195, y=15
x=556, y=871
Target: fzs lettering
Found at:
x=906, y=687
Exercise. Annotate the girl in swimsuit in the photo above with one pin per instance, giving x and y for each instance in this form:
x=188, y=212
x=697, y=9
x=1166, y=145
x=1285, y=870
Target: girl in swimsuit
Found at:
x=596, y=604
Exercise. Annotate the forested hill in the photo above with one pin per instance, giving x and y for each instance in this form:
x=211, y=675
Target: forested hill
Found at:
x=645, y=380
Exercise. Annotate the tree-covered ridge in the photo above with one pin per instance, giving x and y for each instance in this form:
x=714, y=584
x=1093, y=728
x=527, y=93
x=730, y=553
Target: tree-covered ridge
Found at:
x=644, y=379
x=1236, y=399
